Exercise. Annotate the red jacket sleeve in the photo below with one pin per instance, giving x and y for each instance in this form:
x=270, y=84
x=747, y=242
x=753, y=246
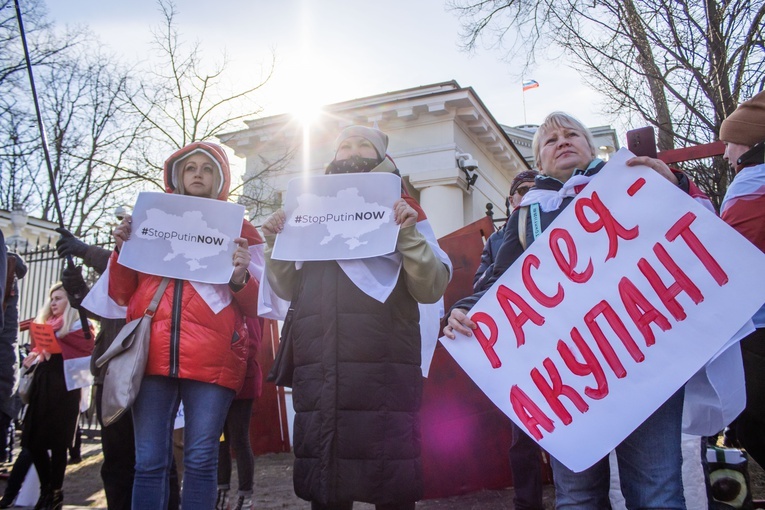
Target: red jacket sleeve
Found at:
x=122, y=281
x=745, y=215
x=247, y=298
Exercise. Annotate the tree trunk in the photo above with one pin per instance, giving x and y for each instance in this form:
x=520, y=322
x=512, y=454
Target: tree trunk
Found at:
x=651, y=71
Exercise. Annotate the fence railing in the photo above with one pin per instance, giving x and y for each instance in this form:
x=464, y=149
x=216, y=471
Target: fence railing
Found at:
x=44, y=268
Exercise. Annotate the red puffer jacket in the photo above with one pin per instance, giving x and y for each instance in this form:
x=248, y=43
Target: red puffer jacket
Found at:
x=188, y=340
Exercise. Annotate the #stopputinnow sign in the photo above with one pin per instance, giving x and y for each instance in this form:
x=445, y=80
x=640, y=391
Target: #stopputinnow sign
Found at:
x=625, y=296
x=339, y=217
x=183, y=237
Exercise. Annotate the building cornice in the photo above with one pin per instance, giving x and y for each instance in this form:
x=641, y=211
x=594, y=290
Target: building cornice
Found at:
x=406, y=106
x=441, y=177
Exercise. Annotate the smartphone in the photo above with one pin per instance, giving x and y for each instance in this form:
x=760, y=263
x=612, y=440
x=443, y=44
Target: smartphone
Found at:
x=642, y=142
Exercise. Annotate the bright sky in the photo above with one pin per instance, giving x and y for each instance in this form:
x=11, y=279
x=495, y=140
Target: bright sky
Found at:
x=337, y=50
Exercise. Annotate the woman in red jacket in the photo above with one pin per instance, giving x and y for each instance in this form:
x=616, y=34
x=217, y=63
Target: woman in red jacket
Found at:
x=198, y=346
x=51, y=418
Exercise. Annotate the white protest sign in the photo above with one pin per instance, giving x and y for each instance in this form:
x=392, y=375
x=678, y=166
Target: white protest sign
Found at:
x=339, y=217
x=626, y=295
x=184, y=237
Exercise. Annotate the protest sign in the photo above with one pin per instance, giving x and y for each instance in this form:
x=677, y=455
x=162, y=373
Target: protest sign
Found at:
x=184, y=237
x=44, y=338
x=626, y=295
x=339, y=217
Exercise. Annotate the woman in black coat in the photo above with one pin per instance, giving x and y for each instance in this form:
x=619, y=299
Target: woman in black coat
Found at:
x=357, y=383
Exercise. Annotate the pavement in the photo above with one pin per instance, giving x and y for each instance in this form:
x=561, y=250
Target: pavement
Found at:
x=273, y=487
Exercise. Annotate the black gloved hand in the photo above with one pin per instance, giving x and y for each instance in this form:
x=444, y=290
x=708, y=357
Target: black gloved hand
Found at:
x=70, y=245
x=74, y=285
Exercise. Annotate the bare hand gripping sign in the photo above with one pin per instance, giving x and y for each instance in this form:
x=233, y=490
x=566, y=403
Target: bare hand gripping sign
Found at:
x=184, y=237
x=339, y=217
x=628, y=293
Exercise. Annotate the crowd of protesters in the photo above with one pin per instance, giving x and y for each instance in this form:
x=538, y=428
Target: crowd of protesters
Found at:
x=355, y=334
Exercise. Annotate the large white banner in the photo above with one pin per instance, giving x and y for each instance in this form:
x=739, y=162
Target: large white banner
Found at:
x=626, y=295
x=184, y=237
x=339, y=217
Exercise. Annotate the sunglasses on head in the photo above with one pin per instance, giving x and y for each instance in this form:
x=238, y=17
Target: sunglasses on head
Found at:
x=522, y=190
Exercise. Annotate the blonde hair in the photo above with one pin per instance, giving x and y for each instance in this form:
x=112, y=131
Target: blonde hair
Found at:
x=70, y=314
x=565, y=121
x=178, y=174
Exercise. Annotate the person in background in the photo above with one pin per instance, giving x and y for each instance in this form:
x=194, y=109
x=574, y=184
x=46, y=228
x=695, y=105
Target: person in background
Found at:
x=650, y=458
x=51, y=418
x=117, y=443
x=743, y=208
x=357, y=383
x=3, y=273
x=236, y=432
x=198, y=344
x=525, y=453
x=75, y=450
x=17, y=269
x=521, y=184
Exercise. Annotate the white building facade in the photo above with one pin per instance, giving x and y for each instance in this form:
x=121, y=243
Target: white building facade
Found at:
x=446, y=144
x=448, y=147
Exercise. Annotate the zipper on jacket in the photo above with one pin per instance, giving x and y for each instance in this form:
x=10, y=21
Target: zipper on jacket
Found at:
x=175, y=329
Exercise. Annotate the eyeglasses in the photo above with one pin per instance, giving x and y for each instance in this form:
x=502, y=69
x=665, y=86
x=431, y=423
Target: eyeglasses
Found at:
x=523, y=190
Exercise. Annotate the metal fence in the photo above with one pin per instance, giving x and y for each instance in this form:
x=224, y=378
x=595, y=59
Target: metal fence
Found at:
x=44, y=268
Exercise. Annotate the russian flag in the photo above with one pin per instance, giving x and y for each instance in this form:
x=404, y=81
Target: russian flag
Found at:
x=530, y=84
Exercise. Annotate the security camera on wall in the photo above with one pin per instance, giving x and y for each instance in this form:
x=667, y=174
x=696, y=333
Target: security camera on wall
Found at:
x=466, y=162
x=469, y=164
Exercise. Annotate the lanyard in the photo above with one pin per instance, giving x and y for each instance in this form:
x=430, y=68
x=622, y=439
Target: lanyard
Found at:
x=536, y=220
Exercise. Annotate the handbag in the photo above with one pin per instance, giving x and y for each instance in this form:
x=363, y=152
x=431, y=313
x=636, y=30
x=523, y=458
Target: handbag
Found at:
x=126, y=358
x=284, y=363
x=26, y=379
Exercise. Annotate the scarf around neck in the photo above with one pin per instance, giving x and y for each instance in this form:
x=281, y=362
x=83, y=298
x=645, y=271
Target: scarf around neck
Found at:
x=549, y=192
x=56, y=322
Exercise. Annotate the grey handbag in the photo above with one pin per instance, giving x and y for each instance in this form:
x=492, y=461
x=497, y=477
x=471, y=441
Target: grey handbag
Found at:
x=126, y=358
x=26, y=379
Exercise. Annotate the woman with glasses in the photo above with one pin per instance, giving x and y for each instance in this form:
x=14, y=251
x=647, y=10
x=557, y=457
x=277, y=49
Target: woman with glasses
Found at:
x=650, y=458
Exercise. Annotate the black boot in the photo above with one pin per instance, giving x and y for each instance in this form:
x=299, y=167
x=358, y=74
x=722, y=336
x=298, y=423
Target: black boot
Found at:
x=7, y=501
x=57, y=500
x=44, y=501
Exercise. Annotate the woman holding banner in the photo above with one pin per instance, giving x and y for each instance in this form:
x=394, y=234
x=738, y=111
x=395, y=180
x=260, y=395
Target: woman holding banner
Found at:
x=198, y=347
x=650, y=457
x=357, y=383
x=51, y=419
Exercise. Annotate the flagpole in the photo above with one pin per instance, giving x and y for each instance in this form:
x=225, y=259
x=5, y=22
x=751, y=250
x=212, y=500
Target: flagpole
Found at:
x=527, y=85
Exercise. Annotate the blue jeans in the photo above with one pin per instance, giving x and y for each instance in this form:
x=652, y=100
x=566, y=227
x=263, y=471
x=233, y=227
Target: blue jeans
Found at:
x=205, y=406
x=650, y=467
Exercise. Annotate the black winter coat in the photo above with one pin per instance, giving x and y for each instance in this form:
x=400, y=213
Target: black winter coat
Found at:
x=357, y=390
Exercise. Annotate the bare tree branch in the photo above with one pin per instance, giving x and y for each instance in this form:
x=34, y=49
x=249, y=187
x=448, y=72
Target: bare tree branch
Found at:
x=680, y=66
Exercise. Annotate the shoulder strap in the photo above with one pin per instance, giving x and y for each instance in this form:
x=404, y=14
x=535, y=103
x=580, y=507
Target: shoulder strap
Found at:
x=157, y=296
x=523, y=216
x=536, y=223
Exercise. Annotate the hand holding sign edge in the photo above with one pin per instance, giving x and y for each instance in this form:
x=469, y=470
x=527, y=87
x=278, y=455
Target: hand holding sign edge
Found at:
x=459, y=321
